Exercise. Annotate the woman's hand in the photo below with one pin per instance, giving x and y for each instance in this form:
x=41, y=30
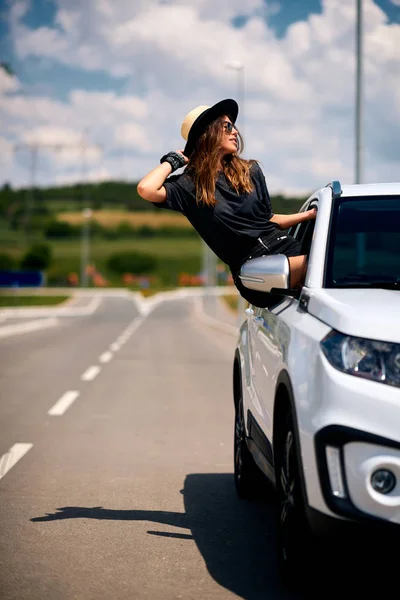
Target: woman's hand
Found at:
x=312, y=213
x=185, y=157
x=151, y=187
x=287, y=221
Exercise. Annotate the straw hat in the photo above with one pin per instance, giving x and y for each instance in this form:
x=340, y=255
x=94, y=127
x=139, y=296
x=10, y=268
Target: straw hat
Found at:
x=196, y=121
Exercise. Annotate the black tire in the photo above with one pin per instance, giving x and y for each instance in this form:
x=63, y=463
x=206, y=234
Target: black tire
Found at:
x=295, y=542
x=249, y=480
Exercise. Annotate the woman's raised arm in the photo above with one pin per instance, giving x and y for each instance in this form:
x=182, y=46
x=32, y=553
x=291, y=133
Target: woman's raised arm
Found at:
x=151, y=187
x=286, y=221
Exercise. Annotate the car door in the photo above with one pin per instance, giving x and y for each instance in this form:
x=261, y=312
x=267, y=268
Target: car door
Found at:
x=251, y=383
x=271, y=339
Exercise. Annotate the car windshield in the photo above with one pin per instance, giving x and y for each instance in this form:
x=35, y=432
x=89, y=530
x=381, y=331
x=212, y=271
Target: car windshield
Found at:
x=364, y=243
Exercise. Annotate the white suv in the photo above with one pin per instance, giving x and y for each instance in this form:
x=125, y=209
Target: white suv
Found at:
x=317, y=374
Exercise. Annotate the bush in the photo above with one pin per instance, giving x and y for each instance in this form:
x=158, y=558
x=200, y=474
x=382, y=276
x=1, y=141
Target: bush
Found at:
x=57, y=276
x=177, y=232
x=7, y=263
x=95, y=229
x=125, y=229
x=38, y=223
x=38, y=257
x=60, y=230
x=144, y=231
x=132, y=262
x=169, y=270
x=110, y=233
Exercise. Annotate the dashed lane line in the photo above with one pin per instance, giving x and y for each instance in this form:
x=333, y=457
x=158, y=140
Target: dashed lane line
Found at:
x=10, y=458
x=106, y=357
x=63, y=404
x=91, y=373
x=68, y=398
x=18, y=450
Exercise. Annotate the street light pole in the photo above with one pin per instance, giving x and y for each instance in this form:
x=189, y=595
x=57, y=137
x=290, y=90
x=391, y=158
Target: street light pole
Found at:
x=360, y=237
x=240, y=85
x=86, y=214
x=29, y=207
x=85, y=246
x=359, y=73
x=34, y=148
x=239, y=68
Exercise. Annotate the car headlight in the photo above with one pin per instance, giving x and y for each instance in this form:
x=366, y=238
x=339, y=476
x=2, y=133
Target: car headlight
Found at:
x=378, y=361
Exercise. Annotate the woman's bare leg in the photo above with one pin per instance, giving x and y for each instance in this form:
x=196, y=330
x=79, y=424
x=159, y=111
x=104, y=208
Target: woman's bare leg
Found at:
x=298, y=269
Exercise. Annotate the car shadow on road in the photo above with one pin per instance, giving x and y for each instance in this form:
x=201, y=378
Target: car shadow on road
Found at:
x=235, y=537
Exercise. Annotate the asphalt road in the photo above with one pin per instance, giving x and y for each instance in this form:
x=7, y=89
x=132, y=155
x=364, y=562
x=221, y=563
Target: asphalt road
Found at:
x=128, y=492
x=123, y=427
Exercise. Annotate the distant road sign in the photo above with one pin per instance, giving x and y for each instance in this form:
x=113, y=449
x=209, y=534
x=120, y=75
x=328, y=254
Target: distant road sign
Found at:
x=21, y=278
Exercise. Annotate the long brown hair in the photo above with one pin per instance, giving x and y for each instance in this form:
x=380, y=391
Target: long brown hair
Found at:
x=205, y=164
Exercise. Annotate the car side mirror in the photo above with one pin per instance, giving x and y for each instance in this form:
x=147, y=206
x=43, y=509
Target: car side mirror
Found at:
x=268, y=274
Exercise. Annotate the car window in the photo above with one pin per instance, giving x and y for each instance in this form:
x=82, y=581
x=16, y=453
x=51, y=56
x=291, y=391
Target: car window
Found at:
x=364, y=243
x=293, y=231
x=304, y=231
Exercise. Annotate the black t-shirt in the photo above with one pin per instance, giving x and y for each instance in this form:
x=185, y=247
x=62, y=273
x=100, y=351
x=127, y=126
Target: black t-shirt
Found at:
x=231, y=227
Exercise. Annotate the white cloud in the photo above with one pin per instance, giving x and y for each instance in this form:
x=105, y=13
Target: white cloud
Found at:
x=63, y=145
x=132, y=135
x=91, y=176
x=6, y=151
x=8, y=83
x=18, y=9
x=299, y=90
x=48, y=135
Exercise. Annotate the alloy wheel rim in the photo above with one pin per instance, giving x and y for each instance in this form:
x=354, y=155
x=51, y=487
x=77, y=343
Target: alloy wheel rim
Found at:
x=239, y=440
x=287, y=502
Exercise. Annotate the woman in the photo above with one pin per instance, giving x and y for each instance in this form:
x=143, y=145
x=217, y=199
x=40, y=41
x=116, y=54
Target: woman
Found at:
x=224, y=197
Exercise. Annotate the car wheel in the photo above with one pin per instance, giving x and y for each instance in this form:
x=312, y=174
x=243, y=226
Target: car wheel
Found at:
x=294, y=539
x=248, y=477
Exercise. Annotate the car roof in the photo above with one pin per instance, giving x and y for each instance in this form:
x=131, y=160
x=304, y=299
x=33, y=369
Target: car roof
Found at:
x=371, y=189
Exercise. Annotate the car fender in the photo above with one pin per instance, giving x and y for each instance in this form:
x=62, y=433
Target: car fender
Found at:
x=284, y=387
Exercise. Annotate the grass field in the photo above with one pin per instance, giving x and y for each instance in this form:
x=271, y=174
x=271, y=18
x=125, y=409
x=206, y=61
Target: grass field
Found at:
x=160, y=247
x=173, y=255
x=101, y=249
x=112, y=218
x=16, y=300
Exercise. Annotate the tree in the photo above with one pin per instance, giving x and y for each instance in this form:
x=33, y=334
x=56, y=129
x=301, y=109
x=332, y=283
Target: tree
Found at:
x=37, y=258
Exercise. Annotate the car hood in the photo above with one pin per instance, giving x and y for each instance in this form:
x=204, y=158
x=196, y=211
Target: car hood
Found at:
x=367, y=313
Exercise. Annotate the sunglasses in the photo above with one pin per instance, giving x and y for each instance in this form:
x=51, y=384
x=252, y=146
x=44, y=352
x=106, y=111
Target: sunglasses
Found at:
x=229, y=127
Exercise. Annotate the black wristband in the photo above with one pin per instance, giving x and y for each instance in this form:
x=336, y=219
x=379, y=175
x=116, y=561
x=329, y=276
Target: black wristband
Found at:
x=174, y=159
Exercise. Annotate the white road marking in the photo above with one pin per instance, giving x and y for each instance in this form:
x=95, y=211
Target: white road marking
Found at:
x=27, y=327
x=54, y=311
x=91, y=373
x=105, y=357
x=127, y=332
x=62, y=405
x=10, y=458
x=134, y=325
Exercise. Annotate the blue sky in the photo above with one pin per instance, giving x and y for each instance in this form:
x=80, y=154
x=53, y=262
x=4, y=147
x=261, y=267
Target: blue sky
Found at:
x=121, y=74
